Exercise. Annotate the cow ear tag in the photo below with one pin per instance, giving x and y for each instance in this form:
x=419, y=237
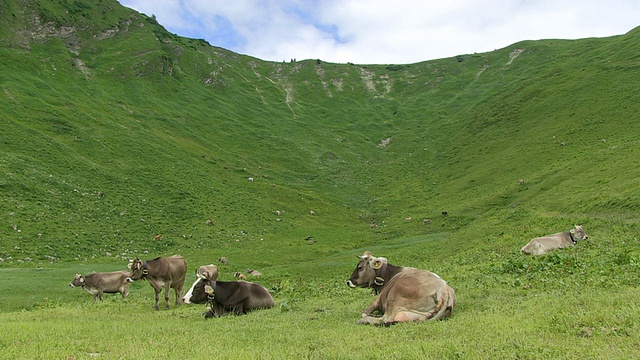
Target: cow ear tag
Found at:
x=377, y=264
x=208, y=289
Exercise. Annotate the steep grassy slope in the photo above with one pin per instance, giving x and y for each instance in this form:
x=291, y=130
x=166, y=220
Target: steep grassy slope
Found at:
x=100, y=99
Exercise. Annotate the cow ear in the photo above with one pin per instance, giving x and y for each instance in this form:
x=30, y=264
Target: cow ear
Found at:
x=129, y=265
x=377, y=264
x=208, y=289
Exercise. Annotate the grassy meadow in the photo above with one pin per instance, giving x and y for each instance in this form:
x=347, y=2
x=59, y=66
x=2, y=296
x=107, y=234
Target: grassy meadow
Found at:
x=121, y=140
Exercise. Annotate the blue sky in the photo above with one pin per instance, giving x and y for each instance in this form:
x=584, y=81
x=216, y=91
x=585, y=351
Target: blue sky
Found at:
x=385, y=31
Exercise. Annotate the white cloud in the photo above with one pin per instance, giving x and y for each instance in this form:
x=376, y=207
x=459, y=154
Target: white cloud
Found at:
x=385, y=31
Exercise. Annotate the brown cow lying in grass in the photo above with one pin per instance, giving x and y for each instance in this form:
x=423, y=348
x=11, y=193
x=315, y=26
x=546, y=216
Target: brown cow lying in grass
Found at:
x=405, y=294
x=541, y=245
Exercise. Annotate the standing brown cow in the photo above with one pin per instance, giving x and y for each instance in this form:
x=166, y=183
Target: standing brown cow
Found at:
x=99, y=283
x=161, y=272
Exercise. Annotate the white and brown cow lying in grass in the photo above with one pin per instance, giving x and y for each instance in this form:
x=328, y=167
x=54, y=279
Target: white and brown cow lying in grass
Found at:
x=100, y=283
x=229, y=297
x=204, y=272
x=404, y=293
x=541, y=245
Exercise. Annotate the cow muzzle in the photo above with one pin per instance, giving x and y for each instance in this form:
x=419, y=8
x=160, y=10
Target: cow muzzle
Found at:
x=351, y=284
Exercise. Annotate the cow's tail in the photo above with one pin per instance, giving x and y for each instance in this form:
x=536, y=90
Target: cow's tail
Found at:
x=446, y=302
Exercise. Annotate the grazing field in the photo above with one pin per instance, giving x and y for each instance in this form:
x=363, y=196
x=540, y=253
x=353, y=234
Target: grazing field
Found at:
x=120, y=140
x=574, y=303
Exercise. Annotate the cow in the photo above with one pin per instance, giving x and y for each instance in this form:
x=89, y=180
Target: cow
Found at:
x=541, y=245
x=229, y=297
x=240, y=275
x=404, y=293
x=167, y=272
x=97, y=284
x=253, y=272
x=209, y=272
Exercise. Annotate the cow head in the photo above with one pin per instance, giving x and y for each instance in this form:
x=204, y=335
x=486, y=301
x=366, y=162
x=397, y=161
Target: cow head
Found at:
x=368, y=272
x=577, y=233
x=138, y=269
x=200, y=294
x=77, y=281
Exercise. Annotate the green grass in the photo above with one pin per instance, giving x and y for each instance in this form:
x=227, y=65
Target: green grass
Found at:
x=170, y=129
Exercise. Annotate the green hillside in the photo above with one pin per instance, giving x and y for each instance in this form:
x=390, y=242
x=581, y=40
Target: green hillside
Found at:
x=115, y=131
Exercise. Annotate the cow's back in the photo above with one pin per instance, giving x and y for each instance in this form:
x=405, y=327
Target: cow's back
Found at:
x=415, y=283
x=177, y=268
x=420, y=293
x=541, y=245
x=109, y=283
x=251, y=295
x=260, y=297
x=172, y=269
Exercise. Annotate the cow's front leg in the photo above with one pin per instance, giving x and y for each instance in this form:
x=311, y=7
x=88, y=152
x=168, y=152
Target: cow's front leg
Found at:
x=157, y=298
x=239, y=309
x=167, y=289
x=375, y=305
x=179, y=298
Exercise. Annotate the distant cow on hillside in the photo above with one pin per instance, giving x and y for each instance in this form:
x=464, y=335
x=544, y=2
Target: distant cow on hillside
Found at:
x=240, y=275
x=541, y=245
x=253, y=272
